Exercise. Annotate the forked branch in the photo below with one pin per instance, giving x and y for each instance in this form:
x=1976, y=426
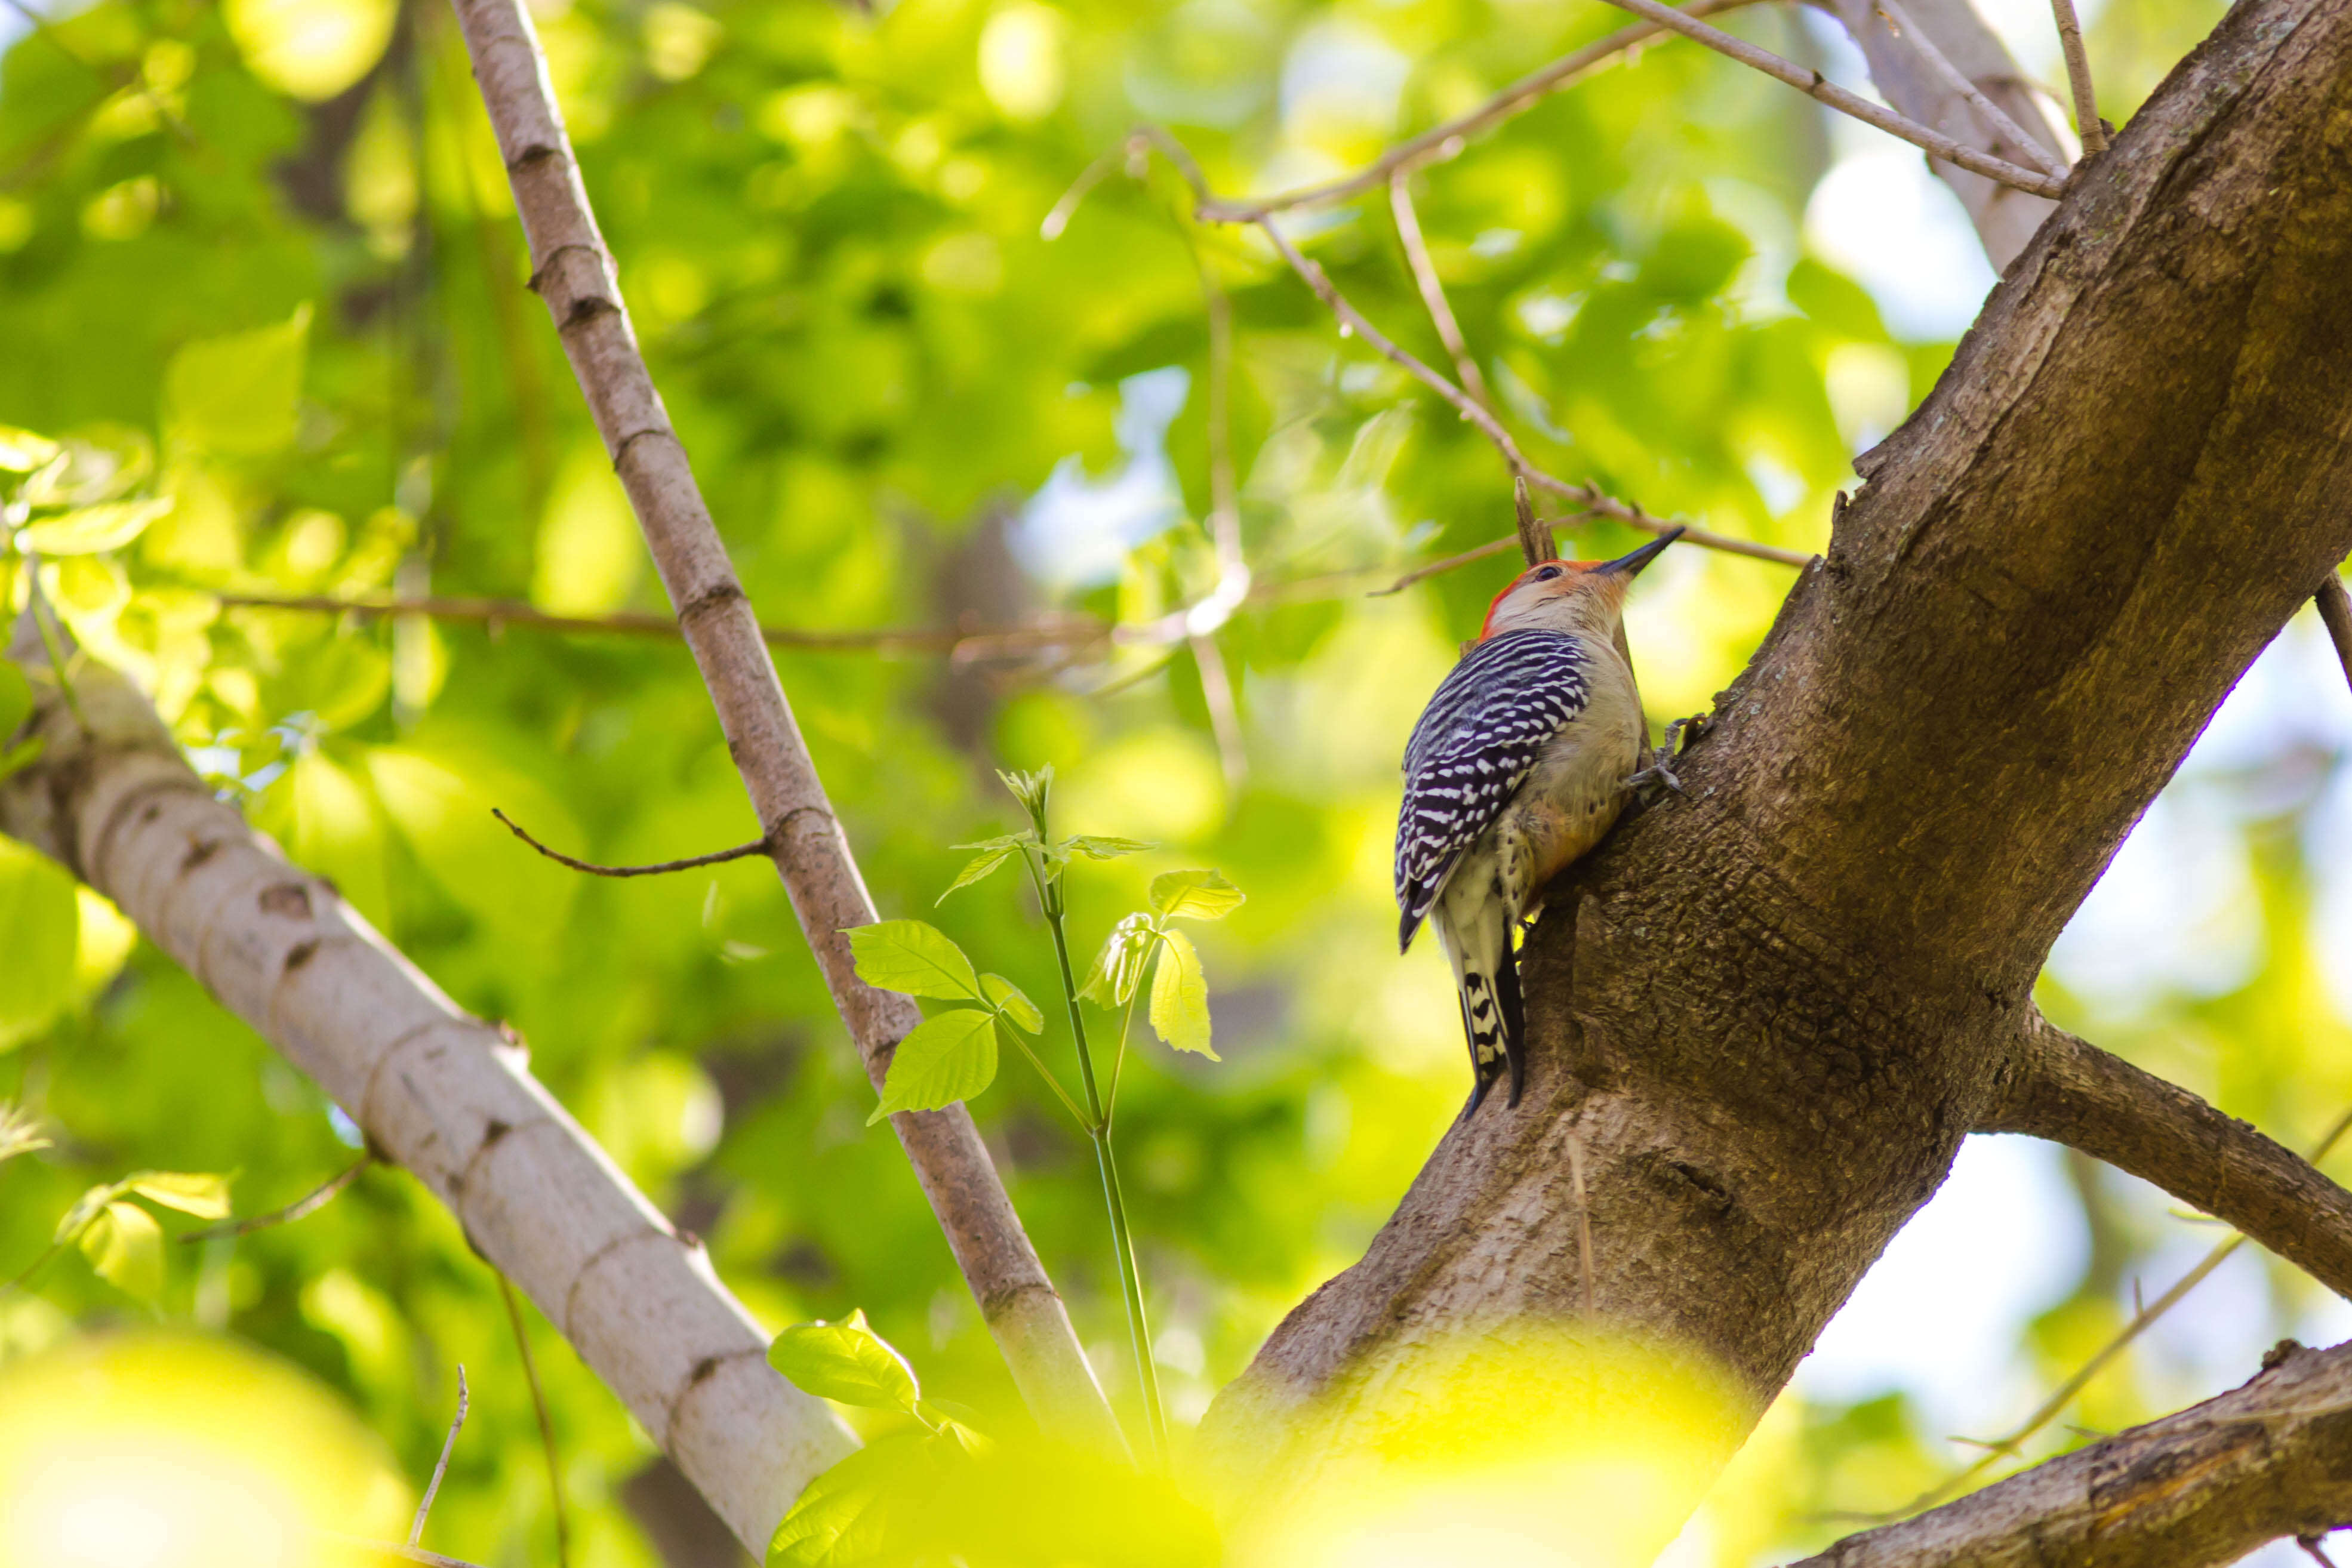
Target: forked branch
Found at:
x=2070, y=1092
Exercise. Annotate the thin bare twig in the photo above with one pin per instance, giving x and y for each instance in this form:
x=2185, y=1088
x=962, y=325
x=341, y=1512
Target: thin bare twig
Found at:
x=1814, y=85
x=433, y=1487
x=2310, y=1544
x=741, y=851
x=502, y=612
x=1225, y=715
x=300, y=1208
x=1594, y=500
x=2336, y=613
x=1996, y=118
x=2088, y=126
x=1536, y=542
x=1433, y=291
x=1088, y=178
x=1445, y=142
x=546, y=1425
x=1475, y=553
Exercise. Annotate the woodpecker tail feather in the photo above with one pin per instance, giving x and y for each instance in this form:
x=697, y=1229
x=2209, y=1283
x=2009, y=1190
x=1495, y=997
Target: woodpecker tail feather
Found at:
x=1487, y=975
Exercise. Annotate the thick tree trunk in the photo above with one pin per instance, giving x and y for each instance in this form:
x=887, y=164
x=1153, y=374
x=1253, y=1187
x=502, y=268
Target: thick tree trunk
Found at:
x=1763, y=1018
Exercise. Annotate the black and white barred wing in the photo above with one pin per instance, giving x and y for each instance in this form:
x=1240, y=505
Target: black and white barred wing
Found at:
x=1474, y=746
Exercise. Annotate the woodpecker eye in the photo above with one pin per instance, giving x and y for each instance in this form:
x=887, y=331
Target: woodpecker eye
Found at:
x=1547, y=573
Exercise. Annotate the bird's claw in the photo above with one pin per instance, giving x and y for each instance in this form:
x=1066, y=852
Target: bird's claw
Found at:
x=1657, y=773
x=1661, y=770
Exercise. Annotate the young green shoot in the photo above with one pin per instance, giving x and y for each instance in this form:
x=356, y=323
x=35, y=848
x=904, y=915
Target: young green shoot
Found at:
x=953, y=1054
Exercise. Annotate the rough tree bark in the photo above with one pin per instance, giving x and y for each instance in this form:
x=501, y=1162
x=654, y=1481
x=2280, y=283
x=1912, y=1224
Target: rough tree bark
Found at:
x=446, y=1095
x=1768, y=1014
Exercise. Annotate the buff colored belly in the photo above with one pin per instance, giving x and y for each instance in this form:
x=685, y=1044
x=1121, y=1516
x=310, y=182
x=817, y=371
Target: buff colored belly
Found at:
x=1568, y=803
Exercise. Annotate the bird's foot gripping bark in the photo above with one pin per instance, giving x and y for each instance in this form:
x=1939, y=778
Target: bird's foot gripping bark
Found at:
x=1659, y=776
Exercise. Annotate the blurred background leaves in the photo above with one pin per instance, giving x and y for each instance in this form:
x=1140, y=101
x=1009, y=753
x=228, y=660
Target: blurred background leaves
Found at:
x=260, y=275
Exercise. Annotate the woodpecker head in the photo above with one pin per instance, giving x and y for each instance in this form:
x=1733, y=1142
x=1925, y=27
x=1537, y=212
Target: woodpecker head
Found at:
x=1571, y=595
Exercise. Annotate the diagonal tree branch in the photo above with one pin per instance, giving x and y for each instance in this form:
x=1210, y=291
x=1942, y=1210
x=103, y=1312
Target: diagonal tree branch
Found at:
x=2270, y=1460
x=574, y=274
x=1814, y=85
x=446, y=1096
x=2070, y=1092
x=2006, y=217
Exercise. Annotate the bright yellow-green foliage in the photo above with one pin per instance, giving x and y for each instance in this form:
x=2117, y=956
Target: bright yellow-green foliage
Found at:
x=260, y=275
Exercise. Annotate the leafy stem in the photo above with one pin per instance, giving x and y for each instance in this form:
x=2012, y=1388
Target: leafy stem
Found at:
x=952, y=1055
x=1046, y=879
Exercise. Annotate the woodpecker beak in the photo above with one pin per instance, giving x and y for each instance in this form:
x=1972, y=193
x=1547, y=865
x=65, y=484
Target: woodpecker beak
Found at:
x=1632, y=565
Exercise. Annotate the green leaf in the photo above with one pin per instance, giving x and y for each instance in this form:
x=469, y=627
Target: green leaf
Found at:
x=846, y=1361
x=948, y=1430
x=239, y=395
x=1100, y=847
x=88, y=529
x=1195, y=896
x=1032, y=790
x=850, y=1514
x=199, y=1193
x=994, y=852
x=911, y=957
x=20, y=1130
x=949, y=1058
x=1118, y=967
x=21, y=451
x=1008, y=998
x=1179, y=996
x=125, y=1244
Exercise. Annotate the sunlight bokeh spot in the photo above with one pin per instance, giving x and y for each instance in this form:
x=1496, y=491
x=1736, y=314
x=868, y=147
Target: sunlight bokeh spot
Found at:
x=1020, y=61
x=310, y=49
x=168, y=1452
x=1527, y=1445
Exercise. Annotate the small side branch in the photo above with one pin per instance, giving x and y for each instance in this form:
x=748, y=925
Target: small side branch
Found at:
x=2070, y=1092
x=1995, y=117
x=741, y=851
x=449, y=1444
x=1440, y=142
x=2264, y=1462
x=2087, y=124
x=300, y=1208
x=1433, y=291
x=1352, y=323
x=1816, y=86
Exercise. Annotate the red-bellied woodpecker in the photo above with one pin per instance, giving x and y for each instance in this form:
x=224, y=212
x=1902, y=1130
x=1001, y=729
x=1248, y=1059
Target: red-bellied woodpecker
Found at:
x=1520, y=763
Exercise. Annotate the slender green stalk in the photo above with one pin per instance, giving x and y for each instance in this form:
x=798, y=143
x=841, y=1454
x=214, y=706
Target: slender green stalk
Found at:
x=1130, y=1279
x=1118, y=1062
x=51, y=1250
x=1054, y=1084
